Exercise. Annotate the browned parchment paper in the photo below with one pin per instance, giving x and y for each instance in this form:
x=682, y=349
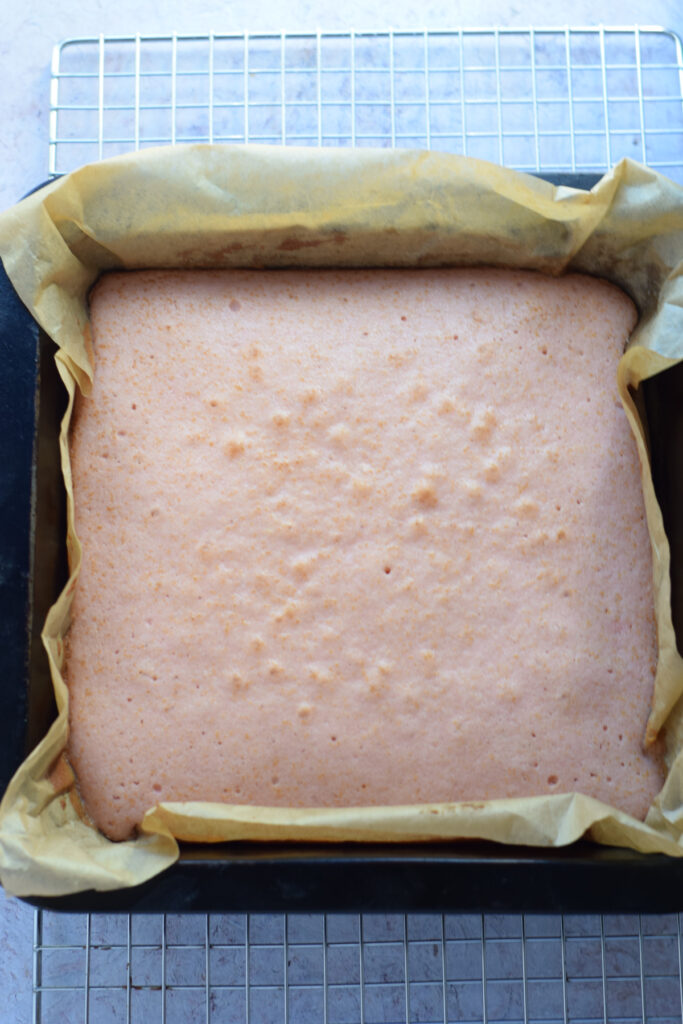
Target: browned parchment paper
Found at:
x=259, y=206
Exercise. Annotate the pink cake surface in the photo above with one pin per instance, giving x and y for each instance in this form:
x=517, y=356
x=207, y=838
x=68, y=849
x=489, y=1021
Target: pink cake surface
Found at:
x=357, y=538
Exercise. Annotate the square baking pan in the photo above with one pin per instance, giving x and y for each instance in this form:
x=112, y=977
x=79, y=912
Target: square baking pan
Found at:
x=448, y=876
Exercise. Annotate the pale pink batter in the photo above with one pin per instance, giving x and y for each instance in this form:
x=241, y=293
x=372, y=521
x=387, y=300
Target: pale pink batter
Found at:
x=358, y=537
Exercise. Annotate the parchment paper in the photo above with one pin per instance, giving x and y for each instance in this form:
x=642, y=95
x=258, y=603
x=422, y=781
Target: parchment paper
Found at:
x=219, y=206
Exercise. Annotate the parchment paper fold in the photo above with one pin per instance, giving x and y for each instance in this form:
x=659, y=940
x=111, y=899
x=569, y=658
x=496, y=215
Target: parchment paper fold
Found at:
x=221, y=206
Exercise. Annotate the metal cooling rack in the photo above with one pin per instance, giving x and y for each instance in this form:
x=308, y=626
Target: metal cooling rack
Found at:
x=346, y=969
x=574, y=99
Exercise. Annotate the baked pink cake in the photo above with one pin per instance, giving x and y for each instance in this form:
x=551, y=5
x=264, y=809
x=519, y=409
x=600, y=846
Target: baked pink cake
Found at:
x=358, y=538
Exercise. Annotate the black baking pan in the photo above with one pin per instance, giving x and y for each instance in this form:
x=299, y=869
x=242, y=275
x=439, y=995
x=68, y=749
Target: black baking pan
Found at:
x=453, y=876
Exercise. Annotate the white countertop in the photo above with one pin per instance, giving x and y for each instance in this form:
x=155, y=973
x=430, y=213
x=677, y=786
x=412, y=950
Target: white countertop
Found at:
x=30, y=30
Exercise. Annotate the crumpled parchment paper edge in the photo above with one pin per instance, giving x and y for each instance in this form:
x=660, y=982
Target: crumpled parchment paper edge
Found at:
x=256, y=206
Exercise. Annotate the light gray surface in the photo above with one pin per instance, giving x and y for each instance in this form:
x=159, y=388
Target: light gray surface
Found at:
x=31, y=30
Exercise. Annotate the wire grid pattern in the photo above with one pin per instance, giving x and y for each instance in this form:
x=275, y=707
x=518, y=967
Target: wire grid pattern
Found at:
x=573, y=99
x=357, y=969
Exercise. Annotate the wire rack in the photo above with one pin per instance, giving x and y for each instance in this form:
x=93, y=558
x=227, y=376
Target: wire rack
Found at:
x=350, y=969
x=573, y=99
x=539, y=99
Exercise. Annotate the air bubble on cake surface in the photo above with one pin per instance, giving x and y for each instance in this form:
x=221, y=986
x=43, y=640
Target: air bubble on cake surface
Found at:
x=472, y=488
x=425, y=493
x=336, y=472
x=235, y=443
x=216, y=401
x=195, y=436
x=536, y=539
x=361, y=486
x=311, y=394
x=482, y=423
x=321, y=674
x=399, y=357
x=377, y=681
x=491, y=470
x=281, y=418
x=290, y=610
x=419, y=391
x=526, y=507
x=252, y=352
x=255, y=372
x=303, y=565
x=208, y=550
x=239, y=683
x=339, y=433
x=418, y=526
x=344, y=385
x=147, y=671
